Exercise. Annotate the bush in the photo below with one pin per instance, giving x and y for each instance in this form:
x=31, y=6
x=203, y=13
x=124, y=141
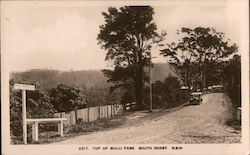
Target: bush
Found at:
x=166, y=94
x=235, y=95
x=48, y=127
x=38, y=106
x=232, y=79
x=67, y=98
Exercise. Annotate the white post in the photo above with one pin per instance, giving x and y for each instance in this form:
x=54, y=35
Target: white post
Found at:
x=88, y=113
x=24, y=116
x=24, y=87
x=35, y=131
x=60, y=128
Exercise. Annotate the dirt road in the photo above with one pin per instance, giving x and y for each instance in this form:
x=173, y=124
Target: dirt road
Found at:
x=203, y=123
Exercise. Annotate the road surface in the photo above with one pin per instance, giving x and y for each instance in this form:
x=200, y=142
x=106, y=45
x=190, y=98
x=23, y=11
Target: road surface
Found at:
x=205, y=123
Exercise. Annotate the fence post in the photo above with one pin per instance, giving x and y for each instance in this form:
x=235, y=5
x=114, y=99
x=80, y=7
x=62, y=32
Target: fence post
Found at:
x=111, y=111
x=60, y=128
x=107, y=111
x=99, y=112
x=70, y=116
x=35, y=131
x=88, y=114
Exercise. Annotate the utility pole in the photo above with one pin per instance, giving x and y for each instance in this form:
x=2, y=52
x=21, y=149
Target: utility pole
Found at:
x=150, y=85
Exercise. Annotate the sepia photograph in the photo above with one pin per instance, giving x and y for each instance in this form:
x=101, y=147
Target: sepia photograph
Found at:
x=107, y=76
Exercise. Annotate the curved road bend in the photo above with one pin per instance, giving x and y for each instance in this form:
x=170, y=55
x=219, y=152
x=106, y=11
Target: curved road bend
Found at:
x=203, y=123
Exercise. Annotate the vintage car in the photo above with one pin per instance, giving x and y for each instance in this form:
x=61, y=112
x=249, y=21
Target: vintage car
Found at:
x=195, y=98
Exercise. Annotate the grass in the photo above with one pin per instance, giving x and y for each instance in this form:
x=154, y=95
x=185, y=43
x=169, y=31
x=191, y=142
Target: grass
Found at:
x=70, y=131
x=78, y=129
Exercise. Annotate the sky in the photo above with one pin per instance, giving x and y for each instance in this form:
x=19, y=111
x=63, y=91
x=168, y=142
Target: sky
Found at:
x=39, y=35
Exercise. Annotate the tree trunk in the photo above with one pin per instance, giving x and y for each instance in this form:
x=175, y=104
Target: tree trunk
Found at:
x=204, y=74
x=75, y=111
x=139, y=89
x=232, y=83
x=139, y=82
x=188, y=78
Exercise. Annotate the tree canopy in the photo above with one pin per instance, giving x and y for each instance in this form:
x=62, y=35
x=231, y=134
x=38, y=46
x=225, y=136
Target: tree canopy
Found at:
x=198, y=49
x=232, y=78
x=128, y=36
x=67, y=98
x=167, y=93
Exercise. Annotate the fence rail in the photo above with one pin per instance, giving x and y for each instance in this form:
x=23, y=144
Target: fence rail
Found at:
x=91, y=113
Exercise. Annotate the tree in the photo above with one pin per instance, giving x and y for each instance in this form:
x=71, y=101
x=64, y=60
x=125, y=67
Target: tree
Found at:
x=38, y=104
x=232, y=78
x=128, y=35
x=167, y=93
x=67, y=98
x=197, y=48
x=15, y=112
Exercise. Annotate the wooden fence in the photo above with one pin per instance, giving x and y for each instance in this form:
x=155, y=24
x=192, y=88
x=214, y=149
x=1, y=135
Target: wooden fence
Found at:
x=91, y=113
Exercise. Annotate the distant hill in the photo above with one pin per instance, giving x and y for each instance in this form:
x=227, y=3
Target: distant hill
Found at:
x=84, y=78
x=160, y=71
x=51, y=78
x=93, y=81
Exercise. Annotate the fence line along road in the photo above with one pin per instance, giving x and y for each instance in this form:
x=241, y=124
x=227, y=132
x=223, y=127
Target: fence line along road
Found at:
x=91, y=113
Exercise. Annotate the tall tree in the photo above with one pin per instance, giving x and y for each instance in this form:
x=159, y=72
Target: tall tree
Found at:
x=232, y=78
x=128, y=35
x=199, y=47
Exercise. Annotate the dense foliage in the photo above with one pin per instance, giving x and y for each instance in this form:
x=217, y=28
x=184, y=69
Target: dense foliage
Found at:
x=232, y=79
x=167, y=93
x=37, y=106
x=93, y=82
x=195, y=57
x=67, y=98
x=128, y=35
x=42, y=104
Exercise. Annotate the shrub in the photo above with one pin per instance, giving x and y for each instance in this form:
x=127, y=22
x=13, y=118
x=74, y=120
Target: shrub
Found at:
x=38, y=106
x=166, y=94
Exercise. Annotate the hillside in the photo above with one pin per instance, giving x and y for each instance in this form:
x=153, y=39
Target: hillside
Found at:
x=51, y=78
x=93, y=81
x=160, y=71
x=84, y=78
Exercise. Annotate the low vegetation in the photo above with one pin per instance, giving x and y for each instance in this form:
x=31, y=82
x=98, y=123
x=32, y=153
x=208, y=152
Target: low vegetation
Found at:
x=167, y=94
x=51, y=135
